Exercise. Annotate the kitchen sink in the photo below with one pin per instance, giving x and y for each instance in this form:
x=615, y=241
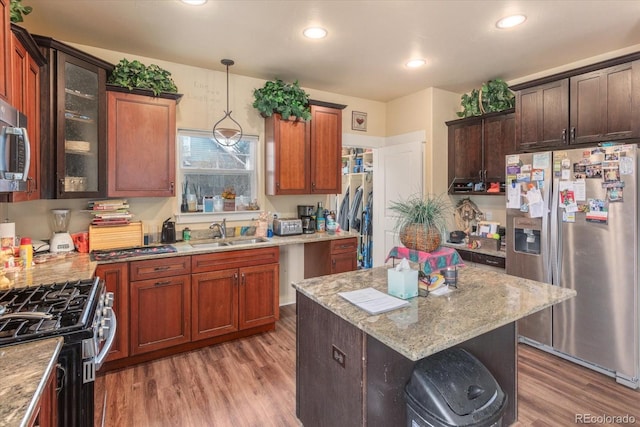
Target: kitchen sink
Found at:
x=246, y=241
x=211, y=244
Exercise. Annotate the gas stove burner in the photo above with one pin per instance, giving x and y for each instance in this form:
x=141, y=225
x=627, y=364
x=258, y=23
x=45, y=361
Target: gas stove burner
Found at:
x=62, y=294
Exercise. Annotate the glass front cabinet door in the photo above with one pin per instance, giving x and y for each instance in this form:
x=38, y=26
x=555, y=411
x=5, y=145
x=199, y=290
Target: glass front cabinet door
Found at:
x=77, y=157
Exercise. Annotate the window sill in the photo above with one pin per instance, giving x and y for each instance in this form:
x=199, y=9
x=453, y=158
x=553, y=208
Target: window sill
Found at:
x=197, y=217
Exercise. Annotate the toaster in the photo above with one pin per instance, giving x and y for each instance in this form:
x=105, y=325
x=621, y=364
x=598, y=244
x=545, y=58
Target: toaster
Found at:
x=287, y=227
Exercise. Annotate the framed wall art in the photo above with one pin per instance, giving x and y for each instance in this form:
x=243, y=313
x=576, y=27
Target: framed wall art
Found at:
x=359, y=121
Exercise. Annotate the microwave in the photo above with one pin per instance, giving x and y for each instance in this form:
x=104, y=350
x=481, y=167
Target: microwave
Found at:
x=15, y=153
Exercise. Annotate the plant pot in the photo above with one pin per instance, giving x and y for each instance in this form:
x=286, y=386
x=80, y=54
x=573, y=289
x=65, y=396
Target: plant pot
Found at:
x=419, y=238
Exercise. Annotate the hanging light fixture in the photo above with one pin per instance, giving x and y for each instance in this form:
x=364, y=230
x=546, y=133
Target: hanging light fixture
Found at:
x=227, y=136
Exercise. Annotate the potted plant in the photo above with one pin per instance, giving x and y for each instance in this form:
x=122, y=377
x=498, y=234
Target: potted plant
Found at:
x=493, y=96
x=17, y=9
x=136, y=75
x=288, y=99
x=421, y=220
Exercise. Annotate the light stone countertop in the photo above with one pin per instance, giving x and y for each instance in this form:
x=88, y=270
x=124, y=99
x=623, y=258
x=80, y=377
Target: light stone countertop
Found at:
x=24, y=369
x=483, y=301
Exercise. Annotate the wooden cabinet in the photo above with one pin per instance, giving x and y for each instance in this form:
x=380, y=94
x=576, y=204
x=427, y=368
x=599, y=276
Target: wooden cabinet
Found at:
x=26, y=60
x=116, y=277
x=160, y=304
x=73, y=123
x=140, y=126
x=330, y=257
x=594, y=104
x=46, y=415
x=477, y=150
x=234, y=291
x=5, y=51
x=304, y=157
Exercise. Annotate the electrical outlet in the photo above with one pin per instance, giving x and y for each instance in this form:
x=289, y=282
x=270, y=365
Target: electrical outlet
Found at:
x=338, y=356
x=488, y=215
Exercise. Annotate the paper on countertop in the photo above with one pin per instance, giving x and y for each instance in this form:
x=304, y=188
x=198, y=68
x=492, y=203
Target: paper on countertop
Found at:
x=373, y=301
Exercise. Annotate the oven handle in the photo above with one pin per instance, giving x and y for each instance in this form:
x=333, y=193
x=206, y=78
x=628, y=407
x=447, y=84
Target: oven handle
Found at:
x=36, y=315
x=99, y=359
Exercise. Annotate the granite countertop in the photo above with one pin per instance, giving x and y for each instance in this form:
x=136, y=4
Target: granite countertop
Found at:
x=74, y=266
x=480, y=250
x=484, y=300
x=24, y=369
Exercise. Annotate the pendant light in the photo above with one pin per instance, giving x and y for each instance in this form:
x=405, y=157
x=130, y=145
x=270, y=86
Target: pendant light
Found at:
x=227, y=136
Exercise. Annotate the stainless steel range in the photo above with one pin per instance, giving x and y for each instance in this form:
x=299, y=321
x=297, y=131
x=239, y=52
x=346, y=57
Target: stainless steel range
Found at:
x=80, y=312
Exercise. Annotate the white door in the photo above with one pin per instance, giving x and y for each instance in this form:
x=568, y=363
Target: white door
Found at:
x=399, y=174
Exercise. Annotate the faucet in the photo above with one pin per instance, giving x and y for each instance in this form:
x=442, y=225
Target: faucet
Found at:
x=222, y=229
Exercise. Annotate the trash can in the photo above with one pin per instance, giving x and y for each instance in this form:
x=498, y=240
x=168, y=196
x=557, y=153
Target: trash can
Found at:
x=453, y=388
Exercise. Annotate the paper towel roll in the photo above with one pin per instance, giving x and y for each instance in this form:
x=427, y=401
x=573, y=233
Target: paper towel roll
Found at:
x=7, y=234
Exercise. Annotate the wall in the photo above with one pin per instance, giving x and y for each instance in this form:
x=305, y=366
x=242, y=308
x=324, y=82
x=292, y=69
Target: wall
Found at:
x=203, y=103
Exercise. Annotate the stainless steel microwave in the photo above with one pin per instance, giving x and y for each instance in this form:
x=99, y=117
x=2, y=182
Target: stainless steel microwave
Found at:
x=15, y=153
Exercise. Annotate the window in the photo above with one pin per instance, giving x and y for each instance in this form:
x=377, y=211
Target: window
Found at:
x=208, y=169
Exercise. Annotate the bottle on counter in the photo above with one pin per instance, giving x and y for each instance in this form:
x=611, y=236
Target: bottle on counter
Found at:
x=186, y=234
x=26, y=252
x=320, y=219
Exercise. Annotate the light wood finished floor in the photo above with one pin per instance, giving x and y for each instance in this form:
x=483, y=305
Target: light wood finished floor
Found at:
x=251, y=382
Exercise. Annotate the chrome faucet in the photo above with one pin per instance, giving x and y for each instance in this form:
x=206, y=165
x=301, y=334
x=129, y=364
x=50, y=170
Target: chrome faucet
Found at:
x=221, y=227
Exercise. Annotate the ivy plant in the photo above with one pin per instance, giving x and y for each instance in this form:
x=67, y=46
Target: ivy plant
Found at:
x=288, y=99
x=17, y=9
x=470, y=104
x=134, y=74
x=492, y=96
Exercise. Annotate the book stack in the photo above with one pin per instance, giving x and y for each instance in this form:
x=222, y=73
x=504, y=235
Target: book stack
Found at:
x=110, y=212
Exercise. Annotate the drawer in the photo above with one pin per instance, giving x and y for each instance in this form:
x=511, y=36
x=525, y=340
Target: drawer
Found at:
x=491, y=260
x=234, y=259
x=156, y=268
x=344, y=245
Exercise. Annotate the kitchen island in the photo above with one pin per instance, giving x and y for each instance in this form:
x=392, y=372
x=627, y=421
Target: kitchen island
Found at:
x=352, y=367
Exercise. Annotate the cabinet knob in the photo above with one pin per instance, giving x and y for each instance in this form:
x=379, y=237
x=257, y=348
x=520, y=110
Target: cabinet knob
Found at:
x=564, y=136
x=573, y=134
x=313, y=186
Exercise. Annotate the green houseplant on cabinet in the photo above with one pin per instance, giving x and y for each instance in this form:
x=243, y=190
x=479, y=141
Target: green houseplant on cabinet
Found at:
x=17, y=9
x=421, y=220
x=288, y=99
x=493, y=96
x=134, y=74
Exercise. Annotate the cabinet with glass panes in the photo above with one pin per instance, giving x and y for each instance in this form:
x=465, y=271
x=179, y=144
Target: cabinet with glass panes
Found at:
x=73, y=122
x=216, y=178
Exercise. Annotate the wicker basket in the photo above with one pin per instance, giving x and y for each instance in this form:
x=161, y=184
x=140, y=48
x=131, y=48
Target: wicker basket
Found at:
x=415, y=236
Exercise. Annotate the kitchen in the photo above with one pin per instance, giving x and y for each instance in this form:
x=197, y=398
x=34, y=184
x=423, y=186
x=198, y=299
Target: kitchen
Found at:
x=196, y=111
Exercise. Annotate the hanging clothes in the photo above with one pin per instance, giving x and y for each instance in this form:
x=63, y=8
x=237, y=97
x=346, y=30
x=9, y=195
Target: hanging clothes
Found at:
x=343, y=213
x=354, y=212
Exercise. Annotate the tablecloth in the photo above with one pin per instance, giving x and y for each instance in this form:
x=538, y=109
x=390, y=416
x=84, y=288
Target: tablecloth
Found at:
x=442, y=257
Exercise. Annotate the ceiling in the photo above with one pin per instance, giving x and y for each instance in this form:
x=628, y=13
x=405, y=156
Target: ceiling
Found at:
x=368, y=41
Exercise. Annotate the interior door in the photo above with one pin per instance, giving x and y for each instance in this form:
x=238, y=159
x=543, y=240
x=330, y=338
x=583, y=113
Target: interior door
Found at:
x=399, y=174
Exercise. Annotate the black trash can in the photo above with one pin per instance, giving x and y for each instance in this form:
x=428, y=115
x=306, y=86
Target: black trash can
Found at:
x=453, y=388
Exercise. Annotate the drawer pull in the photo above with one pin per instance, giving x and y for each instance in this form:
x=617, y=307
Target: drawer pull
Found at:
x=166, y=282
x=163, y=268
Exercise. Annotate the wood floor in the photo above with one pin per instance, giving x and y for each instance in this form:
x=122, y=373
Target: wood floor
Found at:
x=251, y=382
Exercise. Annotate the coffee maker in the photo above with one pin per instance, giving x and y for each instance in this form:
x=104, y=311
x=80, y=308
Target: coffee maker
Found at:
x=307, y=215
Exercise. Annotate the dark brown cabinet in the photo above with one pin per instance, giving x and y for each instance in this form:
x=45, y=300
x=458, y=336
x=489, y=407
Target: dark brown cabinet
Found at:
x=46, y=414
x=305, y=157
x=160, y=304
x=26, y=60
x=73, y=122
x=477, y=150
x=234, y=291
x=116, y=277
x=330, y=257
x=140, y=126
x=600, y=105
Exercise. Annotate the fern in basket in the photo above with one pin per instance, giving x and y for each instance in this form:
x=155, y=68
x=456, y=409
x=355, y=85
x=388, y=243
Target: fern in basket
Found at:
x=421, y=220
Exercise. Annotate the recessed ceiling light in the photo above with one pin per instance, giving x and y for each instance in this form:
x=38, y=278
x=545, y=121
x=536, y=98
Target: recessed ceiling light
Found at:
x=510, y=21
x=315, y=33
x=415, y=63
x=194, y=2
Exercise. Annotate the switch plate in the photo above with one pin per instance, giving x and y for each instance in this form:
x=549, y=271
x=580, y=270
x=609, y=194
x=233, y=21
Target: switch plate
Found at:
x=488, y=215
x=338, y=356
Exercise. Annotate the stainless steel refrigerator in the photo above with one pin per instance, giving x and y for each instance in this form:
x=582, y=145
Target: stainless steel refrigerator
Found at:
x=572, y=221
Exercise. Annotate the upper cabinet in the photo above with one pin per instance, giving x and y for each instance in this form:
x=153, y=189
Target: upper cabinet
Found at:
x=5, y=51
x=305, y=157
x=595, y=104
x=140, y=126
x=73, y=122
x=26, y=60
x=477, y=150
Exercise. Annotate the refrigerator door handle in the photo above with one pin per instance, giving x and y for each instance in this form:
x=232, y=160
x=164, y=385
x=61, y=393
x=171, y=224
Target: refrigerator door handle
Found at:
x=556, y=241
